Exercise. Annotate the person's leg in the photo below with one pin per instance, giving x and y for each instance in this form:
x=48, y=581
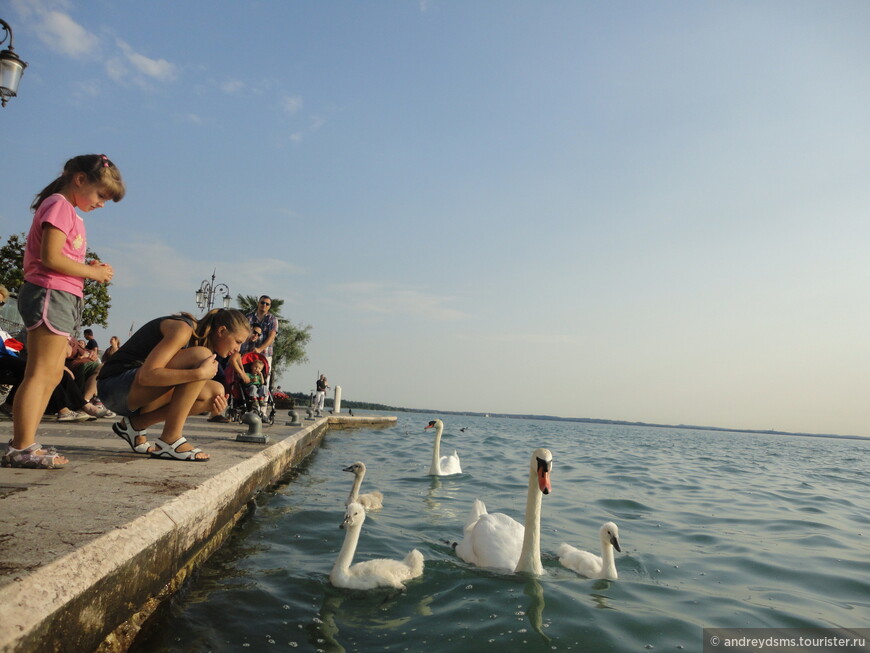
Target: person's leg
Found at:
x=11, y=373
x=66, y=394
x=267, y=378
x=45, y=356
x=172, y=406
x=90, y=389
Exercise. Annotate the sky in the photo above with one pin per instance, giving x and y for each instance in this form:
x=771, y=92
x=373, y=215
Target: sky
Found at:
x=642, y=211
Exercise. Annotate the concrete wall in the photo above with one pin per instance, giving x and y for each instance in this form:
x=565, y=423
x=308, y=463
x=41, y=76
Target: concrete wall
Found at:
x=97, y=597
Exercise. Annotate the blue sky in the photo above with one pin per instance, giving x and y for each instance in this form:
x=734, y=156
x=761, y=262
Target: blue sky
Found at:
x=651, y=211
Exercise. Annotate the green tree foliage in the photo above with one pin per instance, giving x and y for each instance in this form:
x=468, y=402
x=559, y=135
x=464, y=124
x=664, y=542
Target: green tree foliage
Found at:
x=97, y=299
x=289, y=346
x=12, y=262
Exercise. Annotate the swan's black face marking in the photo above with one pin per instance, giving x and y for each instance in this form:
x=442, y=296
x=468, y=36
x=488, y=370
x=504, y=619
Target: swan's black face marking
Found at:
x=352, y=468
x=612, y=536
x=614, y=541
x=431, y=425
x=544, y=467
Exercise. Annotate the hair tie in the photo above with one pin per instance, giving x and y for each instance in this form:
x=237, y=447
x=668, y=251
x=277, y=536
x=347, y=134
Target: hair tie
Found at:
x=105, y=160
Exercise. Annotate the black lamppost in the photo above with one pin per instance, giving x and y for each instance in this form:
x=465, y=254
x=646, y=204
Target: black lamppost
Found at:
x=206, y=294
x=11, y=66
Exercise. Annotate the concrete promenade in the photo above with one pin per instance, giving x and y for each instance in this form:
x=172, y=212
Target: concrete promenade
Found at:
x=88, y=552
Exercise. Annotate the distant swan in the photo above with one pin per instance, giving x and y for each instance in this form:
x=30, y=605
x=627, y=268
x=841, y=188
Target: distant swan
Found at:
x=371, y=500
x=367, y=575
x=588, y=564
x=495, y=540
x=442, y=465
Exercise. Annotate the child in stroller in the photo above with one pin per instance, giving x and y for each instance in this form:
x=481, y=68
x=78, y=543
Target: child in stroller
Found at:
x=252, y=395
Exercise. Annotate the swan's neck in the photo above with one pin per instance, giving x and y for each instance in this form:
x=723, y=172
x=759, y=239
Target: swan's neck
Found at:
x=530, y=556
x=608, y=562
x=435, y=467
x=348, y=549
x=354, y=491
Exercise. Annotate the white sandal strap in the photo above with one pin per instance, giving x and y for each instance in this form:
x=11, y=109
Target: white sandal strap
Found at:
x=172, y=450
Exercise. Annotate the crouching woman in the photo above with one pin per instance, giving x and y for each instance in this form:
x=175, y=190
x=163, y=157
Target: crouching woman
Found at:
x=164, y=372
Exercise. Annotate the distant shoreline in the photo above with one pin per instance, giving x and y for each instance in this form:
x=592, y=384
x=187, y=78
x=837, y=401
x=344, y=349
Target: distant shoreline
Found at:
x=583, y=420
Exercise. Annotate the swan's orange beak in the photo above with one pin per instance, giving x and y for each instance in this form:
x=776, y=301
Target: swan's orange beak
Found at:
x=544, y=476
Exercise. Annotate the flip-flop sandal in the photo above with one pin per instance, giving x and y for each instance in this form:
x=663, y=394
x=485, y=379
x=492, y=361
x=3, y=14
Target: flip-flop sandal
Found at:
x=27, y=458
x=126, y=432
x=170, y=451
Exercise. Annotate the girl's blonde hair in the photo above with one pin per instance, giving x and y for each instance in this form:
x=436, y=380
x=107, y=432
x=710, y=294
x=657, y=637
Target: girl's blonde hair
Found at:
x=98, y=169
x=230, y=318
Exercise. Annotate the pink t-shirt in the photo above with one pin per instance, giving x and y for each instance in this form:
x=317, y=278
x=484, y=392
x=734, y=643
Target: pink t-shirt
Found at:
x=59, y=213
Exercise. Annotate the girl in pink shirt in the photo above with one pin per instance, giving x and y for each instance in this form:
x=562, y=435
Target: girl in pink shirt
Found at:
x=51, y=298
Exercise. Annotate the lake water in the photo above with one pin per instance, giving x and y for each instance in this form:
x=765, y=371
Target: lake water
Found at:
x=718, y=529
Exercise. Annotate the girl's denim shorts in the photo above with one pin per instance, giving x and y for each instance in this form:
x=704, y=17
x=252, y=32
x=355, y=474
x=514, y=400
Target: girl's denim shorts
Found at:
x=113, y=392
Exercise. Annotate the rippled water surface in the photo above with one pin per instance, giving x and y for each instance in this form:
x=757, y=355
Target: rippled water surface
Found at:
x=717, y=529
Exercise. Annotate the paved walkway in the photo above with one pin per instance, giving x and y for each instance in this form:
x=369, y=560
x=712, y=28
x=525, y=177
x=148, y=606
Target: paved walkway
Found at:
x=85, y=548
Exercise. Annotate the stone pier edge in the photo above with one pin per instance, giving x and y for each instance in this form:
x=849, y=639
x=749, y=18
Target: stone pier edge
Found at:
x=69, y=602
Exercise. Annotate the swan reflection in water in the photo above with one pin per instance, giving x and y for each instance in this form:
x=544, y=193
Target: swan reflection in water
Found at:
x=439, y=500
x=535, y=591
x=360, y=612
x=601, y=601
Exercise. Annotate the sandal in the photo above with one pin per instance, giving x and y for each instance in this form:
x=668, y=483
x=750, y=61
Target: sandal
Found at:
x=170, y=451
x=28, y=458
x=125, y=430
x=72, y=416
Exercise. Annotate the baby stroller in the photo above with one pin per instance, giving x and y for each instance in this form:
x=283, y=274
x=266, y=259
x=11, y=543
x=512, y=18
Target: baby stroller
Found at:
x=239, y=402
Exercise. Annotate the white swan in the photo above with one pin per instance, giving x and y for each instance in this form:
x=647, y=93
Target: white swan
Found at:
x=495, y=540
x=589, y=564
x=367, y=575
x=442, y=465
x=370, y=500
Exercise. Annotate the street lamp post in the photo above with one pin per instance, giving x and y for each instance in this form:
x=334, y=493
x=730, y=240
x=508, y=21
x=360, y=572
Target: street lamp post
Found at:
x=205, y=296
x=11, y=66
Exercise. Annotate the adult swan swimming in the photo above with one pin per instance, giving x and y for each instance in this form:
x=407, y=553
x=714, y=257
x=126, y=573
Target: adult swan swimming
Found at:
x=367, y=575
x=442, y=465
x=495, y=540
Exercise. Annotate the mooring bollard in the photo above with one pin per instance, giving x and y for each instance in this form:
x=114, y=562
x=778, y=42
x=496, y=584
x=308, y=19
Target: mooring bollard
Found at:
x=255, y=429
x=309, y=413
x=294, y=418
x=336, y=407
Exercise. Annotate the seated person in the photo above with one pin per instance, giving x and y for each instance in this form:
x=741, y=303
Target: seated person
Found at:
x=66, y=399
x=255, y=388
x=114, y=344
x=90, y=343
x=85, y=364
